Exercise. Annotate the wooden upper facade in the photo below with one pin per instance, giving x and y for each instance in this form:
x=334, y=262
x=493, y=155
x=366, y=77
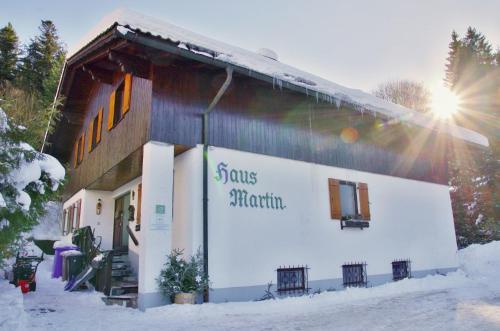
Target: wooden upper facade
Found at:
x=168, y=92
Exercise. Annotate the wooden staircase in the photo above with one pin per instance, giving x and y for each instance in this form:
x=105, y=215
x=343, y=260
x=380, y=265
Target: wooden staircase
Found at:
x=124, y=285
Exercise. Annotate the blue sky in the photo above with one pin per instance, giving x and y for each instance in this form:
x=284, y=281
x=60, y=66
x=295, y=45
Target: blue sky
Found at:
x=355, y=43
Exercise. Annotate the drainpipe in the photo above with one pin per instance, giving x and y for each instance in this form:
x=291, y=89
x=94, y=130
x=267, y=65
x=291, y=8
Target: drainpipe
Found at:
x=218, y=96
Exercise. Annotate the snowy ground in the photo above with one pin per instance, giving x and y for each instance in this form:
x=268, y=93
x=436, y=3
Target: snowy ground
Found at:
x=468, y=299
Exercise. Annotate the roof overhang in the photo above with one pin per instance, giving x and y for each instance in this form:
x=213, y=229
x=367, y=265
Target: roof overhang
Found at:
x=132, y=27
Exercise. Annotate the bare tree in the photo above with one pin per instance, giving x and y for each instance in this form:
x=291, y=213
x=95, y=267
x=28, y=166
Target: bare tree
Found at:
x=413, y=95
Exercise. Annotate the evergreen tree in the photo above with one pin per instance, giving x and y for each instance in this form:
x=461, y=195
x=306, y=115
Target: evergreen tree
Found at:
x=28, y=180
x=9, y=52
x=31, y=97
x=472, y=71
x=40, y=67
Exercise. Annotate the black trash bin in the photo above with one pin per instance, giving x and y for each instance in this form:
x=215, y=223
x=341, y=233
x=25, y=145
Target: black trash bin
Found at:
x=73, y=263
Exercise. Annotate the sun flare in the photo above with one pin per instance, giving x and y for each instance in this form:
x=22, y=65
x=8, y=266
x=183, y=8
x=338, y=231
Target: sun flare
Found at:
x=444, y=102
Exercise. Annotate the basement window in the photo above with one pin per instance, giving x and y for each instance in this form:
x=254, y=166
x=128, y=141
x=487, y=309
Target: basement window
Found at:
x=401, y=269
x=292, y=280
x=354, y=275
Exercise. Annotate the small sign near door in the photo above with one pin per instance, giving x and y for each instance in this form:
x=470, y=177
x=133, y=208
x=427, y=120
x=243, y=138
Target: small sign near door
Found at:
x=160, y=219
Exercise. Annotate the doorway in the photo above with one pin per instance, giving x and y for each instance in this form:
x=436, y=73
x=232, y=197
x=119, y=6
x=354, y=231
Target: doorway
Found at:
x=121, y=218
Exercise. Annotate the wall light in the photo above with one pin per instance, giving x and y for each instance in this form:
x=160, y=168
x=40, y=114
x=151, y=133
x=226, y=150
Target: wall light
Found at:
x=98, y=207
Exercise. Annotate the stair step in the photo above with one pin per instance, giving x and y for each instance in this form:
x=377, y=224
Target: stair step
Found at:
x=124, y=289
x=120, y=267
x=127, y=300
x=120, y=273
x=130, y=279
x=120, y=258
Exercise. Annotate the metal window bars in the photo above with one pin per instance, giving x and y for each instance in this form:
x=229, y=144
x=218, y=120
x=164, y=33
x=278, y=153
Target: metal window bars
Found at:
x=292, y=280
x=401, y=269
x=354, y=274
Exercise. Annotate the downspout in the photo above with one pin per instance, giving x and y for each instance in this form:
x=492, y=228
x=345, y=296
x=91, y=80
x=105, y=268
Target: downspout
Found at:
x=53, y=107
x=218, y=96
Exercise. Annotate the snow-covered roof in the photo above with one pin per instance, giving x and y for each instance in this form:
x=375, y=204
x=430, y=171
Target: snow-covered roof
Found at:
x=129, y=22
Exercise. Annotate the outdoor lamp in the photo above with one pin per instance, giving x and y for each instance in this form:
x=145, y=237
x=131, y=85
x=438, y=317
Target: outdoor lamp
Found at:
x=98, y=207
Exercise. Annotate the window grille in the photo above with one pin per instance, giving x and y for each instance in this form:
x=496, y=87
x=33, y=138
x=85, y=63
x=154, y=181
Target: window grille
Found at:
x=401, y=269
x=354, y=274
x=292, y=280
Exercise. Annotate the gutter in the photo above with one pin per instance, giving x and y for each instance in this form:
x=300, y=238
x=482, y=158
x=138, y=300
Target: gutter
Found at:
x=218, y=96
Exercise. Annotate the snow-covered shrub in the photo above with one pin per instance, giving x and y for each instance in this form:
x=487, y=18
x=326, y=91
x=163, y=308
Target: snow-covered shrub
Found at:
x=182, y=276
x=28, y=180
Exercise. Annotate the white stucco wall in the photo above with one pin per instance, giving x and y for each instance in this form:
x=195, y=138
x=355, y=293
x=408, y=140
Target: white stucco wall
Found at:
x=187, y=224
x=103, y=223
x=409, y=219
x=156, y=228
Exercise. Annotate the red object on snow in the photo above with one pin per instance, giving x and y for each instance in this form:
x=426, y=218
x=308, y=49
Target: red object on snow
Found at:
x=25, y=285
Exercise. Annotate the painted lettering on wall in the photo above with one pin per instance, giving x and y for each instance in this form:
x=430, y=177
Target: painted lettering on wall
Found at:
x=240, y=197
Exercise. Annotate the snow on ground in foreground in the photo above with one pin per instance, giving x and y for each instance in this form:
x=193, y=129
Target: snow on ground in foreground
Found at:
x=468, y=299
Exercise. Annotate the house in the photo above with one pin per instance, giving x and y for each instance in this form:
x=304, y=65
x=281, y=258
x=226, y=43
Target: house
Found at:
x=305, y=183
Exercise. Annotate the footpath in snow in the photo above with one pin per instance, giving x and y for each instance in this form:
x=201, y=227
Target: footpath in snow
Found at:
x=468, y=299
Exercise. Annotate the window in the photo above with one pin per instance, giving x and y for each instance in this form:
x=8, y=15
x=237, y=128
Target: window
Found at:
x=79, y=147
x=348, y=200
x=64, y=221
x=76, y=218
x=354, y=274
x=71, y=214
x=401, y=269
x=95, y=130
x=119, y=102
x=292, y=280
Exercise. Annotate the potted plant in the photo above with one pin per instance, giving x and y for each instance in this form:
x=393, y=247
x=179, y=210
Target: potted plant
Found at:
x=182, y=279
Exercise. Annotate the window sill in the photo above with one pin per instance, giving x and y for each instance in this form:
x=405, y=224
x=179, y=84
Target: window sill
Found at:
x=354, y=223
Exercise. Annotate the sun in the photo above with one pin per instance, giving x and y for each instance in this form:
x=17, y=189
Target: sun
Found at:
x=444, y=103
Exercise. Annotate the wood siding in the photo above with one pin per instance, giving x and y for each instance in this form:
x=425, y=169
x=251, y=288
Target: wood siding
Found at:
x=261, y=119
x=116, y=145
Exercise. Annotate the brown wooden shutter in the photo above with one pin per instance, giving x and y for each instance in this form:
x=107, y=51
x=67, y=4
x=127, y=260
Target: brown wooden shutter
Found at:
x=111, y=112
x=139, y=203
x=364, y=203
x=334, y=189
x=75, y=163
x=99, y=126
x=78, y=213
x=70, y=220
x=127, y=91
x=90, y=135
x=65, y=217
x=82, y=147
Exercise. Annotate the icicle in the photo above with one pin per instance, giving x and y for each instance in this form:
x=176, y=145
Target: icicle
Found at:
x=317, y=97
x=338, y=102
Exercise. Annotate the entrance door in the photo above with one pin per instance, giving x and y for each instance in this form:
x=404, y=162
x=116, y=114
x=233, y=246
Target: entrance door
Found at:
x=120, y=234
